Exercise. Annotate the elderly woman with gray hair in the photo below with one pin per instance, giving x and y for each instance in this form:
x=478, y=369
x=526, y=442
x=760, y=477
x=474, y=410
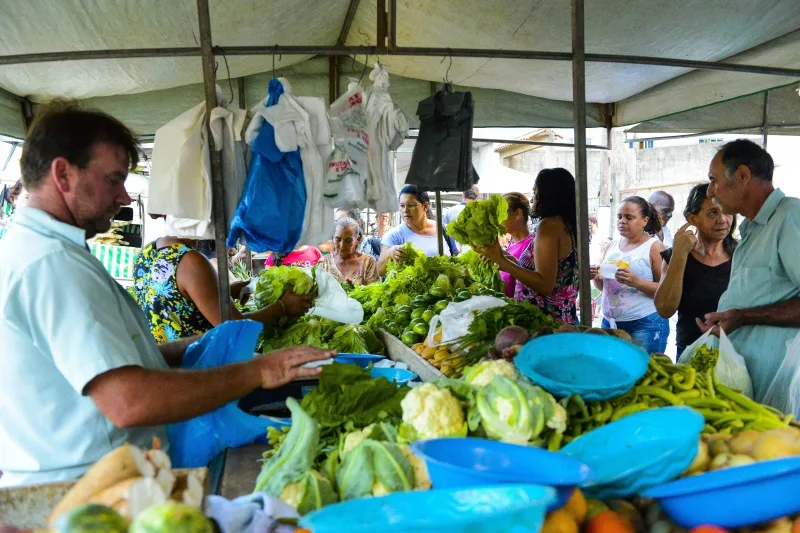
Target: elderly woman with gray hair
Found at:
x=346, y=263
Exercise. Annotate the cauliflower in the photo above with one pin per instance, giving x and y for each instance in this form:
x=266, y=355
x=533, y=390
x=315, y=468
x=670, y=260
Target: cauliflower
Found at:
x=558, y=421
x=353, y=439
x=482, y=374
x=422, y=480
x=430, y=412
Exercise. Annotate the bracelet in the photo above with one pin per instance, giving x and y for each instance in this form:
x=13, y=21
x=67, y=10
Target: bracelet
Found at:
x=283, y=309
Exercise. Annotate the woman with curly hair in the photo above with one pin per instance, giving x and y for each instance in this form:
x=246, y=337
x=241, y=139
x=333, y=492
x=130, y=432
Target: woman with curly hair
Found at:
x=547, y=270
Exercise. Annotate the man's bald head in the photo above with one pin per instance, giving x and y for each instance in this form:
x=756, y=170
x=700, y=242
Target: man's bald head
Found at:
x=664, y=203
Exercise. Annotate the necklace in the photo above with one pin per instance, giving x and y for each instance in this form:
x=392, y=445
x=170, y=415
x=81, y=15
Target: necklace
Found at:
x=340, y=265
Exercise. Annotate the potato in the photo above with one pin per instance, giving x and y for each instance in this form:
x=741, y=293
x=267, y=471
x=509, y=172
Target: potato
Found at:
x=567, y=328
x=597, y=331
x=621, y=334
x=437, y=337
x=773, y=445
x=428, y=352
x=743, y=442
x=441, y=354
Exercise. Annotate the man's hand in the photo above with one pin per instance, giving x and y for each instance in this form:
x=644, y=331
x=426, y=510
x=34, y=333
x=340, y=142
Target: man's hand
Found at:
x=285, y=365
x=728, y=321
x=296, y=305
x=626, y=277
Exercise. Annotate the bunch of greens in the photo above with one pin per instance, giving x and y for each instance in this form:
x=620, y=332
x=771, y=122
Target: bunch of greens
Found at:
x=480, y=223
x=704, y=358
x=324, y=333
x=487, y=324
x=272, y=283
x=347, y=398
x=241, y=271
x=412, y=253
x=482, y=272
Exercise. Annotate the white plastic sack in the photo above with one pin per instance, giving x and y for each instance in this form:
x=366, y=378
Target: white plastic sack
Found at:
x=731, y=369
x=784, y=391
x=457, y=316
x=333, y=303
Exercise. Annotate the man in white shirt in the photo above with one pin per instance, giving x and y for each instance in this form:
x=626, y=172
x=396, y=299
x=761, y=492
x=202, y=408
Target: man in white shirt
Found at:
x=81, y=373
x=665, y=205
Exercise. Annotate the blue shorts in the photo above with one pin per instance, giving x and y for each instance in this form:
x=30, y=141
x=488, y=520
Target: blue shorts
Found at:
x=650, y=332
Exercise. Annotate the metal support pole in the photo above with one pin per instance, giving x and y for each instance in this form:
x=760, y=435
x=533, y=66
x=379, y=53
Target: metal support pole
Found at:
x=382, y=29
x=248, y=255
x=439, y=227
x=581, y=186
x=218, y=203
x=765, y=122
x=392, y=25
x=333, y=79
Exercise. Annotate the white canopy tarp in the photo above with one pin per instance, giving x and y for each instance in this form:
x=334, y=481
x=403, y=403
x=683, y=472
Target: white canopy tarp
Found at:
x=515, y=92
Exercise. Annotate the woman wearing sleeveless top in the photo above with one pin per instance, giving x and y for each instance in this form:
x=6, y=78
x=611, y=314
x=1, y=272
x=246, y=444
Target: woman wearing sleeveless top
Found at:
x=628, y=295
x=177, y=288
x=547, y=270
x=697, y=269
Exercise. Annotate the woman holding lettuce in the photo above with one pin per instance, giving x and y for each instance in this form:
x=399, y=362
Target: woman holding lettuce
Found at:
x=547, y=269
x=176, y=287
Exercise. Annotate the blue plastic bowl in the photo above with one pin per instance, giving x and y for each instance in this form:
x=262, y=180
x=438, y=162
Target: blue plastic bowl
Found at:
x=598, y=367
x=397, y=375
x=638, y=451
x=361, y=359
x=494, y=509
x=733, y=497
x=470, y=462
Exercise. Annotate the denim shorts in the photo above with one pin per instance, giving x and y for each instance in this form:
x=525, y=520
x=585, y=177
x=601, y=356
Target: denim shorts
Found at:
x=650, y=332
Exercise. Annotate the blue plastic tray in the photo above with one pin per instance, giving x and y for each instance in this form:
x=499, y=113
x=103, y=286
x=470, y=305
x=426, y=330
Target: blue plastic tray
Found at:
x=494, y=509
x=398, y=375
x=361, y=359
x=638, y=451
x=598, y=367
x=469, y=462
x=733, y=497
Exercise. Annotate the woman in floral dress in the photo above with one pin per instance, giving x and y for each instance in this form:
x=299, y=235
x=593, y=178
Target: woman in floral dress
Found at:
x=547, y=270
x=176, y=287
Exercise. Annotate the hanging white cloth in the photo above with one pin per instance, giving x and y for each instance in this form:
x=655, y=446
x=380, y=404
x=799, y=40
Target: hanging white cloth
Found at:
x=387, y=127
x=180, y=177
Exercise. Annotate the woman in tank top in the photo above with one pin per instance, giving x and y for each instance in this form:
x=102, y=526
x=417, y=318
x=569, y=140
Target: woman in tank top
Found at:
x=697, y=269
x=628, y=292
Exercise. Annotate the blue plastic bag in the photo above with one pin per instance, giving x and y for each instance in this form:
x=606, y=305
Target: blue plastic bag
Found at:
x=193, y=443
x=271, y=211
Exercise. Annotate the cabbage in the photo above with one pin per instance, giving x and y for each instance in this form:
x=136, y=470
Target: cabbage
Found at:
x=506, y=412
x=352, y=338
x=374, y=468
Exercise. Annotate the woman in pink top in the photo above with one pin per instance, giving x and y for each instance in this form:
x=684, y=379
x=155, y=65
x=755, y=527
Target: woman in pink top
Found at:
x=519, y=210
x=305, y=256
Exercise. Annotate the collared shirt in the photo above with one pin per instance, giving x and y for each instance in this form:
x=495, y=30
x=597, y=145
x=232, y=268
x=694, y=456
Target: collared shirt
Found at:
x=765, y=270
x=63, y=321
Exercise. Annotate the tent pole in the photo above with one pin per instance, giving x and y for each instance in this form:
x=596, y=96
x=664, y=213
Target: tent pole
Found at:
x=765, y=122
x=488, y=53
x=248, y=255
x=218, y=204
x=439, y=228
x=582, y=194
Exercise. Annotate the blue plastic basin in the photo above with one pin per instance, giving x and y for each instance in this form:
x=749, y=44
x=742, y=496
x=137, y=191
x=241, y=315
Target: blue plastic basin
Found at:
x=493, y=509
x=598, y=367
x=470, y=462
x=733, y=497
x=638, y=451
x=397, y=375
x=361, y=359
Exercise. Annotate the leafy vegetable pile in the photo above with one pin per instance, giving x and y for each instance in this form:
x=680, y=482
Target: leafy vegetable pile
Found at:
x=480, y=223
x=324, y=333
x=704, y=358
x=273, y=281
x=482, y=272
x=342, y=444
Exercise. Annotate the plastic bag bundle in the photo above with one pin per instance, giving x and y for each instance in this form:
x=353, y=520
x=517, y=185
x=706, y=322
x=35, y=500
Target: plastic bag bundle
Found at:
x=349, y=165
x=272, y=208
x=731, y=369
x=194, y=442
x=442, y=158
x=457, y=316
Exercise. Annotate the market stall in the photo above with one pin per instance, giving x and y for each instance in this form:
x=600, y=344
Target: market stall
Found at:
x=486, y=367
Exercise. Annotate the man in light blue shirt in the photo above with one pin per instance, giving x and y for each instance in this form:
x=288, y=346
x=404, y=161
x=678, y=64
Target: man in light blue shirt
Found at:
x=80, y=372
x=760, y=311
